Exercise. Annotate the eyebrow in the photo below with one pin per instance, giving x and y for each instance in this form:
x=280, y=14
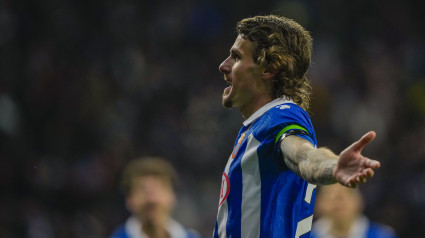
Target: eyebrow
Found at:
x=235, y=51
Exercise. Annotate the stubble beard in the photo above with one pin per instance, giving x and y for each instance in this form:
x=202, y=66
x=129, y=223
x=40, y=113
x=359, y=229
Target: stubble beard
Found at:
x=227, y=103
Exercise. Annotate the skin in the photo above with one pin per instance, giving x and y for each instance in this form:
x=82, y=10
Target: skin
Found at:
x=152, y=199
x=341, y=205
x=322, y=166
x=250, y=85
x=250, y=88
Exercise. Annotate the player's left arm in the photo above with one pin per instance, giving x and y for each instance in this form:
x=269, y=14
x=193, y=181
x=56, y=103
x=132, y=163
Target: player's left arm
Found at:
x=322, y=166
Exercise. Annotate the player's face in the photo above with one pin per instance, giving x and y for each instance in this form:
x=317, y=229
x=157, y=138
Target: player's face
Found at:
x=242, y=75
x=339, y=203
x=151, y=198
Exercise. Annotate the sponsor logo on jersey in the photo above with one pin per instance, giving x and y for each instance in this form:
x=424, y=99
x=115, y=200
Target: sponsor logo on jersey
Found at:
x=284, y=107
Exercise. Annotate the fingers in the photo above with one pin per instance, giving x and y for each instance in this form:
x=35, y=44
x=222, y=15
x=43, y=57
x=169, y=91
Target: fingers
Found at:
x=372, y=164
x=360, y=178
x=368, y=172
x=350, y=185
x=352, y=182
x=366, y=139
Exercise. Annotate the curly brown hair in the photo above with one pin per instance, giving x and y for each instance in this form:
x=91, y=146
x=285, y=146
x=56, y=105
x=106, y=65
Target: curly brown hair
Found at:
x=281, y=45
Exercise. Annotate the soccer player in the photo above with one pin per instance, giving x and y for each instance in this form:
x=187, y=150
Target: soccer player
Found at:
x=268, y=185
x=148, y=185
x=340, y=210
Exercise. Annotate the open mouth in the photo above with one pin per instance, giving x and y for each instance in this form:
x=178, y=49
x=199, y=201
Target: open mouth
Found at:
x=228, y=89
x=228, y=82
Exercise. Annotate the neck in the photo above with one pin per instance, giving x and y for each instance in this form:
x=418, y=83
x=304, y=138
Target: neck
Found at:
x=248, y=110
x=341, y=228
x=153, y=230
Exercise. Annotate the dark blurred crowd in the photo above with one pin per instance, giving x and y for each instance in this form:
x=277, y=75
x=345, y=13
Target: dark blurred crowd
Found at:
x=86, y=86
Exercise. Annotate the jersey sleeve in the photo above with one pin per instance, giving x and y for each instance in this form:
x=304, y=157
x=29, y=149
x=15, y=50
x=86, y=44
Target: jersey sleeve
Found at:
x=290, y=119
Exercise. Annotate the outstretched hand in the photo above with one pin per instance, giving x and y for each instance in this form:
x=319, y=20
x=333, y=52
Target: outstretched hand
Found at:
x=352, y=167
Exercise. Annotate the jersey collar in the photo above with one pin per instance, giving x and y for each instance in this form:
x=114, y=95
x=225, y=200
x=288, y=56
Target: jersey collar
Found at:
x=265, y=108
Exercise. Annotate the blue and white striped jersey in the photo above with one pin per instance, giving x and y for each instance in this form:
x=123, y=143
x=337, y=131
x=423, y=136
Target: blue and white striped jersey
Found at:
x=260, y=196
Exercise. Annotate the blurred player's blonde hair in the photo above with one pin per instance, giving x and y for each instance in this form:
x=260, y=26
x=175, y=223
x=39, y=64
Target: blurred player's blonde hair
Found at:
x=283, y=46
x=147, y=166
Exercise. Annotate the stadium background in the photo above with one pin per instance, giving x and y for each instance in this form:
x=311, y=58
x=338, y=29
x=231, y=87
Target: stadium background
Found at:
x=86, y=86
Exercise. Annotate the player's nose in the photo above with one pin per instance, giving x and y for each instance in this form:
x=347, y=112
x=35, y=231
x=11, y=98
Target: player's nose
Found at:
x=225, y=66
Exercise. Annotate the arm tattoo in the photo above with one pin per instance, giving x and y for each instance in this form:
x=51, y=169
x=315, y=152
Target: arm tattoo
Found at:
x=292, y=166
x=318, y=168
x=314, y=165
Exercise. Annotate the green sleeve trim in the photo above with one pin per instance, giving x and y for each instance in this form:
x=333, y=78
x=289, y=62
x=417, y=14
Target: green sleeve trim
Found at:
x=287, y=128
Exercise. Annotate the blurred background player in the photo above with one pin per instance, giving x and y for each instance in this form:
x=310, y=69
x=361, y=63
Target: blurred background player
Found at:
x=148, y=186
x=341, y=216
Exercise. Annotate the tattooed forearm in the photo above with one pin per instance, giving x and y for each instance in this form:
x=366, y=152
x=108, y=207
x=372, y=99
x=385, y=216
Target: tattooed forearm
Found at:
x=292, y=166
x=314, y=165
x=319, y=166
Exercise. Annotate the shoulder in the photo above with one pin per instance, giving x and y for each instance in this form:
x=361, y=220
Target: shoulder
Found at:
x=287, y=113
x=287, y=108
x=289, y=116
x=377, y=230
x=178, y=230
x=119, y=232
x=320, y=228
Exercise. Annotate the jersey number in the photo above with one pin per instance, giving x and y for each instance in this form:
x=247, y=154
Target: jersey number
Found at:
x=304, y=225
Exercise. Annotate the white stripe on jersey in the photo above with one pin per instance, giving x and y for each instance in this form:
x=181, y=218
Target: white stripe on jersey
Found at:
x=223, y=210
x=251, y=190
x=222, y=218
x=309, y=192
x=304, y=226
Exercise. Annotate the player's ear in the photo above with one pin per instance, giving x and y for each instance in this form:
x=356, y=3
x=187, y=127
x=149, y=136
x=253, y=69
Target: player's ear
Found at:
x=268, y=74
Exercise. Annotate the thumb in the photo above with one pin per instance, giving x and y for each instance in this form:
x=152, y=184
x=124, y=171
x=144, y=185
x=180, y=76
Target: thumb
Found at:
x=366, y=139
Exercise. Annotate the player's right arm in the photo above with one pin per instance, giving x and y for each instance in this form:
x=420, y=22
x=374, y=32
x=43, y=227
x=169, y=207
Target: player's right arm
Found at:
x=322, y=166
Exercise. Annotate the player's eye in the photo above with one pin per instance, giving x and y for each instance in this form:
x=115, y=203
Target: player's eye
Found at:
x=236, y=57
